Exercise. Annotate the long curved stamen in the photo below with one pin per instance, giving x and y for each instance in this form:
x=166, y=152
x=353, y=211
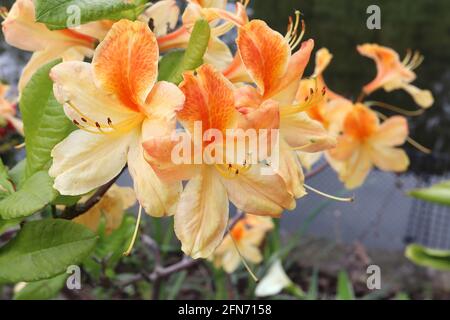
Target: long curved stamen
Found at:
x=315, y=97
x=19, y=146
x=245, y=3
x=89, y=125
x=393, y=108
x=413, y=61
x=135, y=233
x=292, y=35
x=410, y=140
x=247, y=267
x=326, y=195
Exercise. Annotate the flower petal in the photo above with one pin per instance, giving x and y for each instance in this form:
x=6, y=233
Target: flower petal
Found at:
x=265, y=54
x=300, y=131
x=259, y=194
x=392, y=132
x=74, y=87
x=202, y=215
x=218, y=54
x=356, y=169
x=85, y=161
x=389, y=159
x=126, y=62
x=156, y=197
x=291, y=171
x=162, y=102
x=164, y=15
x=209, y=99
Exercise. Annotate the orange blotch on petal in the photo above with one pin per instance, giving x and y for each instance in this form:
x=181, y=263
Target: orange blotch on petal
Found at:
x=126, y=63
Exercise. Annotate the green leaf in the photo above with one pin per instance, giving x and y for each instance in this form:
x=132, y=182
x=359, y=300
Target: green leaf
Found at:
x=44, y=249
x=7, y=224
x=67, y=201
x=344, y=287
x=43, y=289
x=313, y=291
x=17, y=173
x=34, y=195
x=439, y=193
x=174, y=64
x=6, y=186
x=61, y=14
x=44, y=121
x=426, y=257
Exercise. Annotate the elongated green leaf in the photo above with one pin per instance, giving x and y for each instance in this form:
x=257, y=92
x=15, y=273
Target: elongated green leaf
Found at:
x=34, y=195
x=174, y=64
x=43, y=289
x=17, y=173
x=6, y=186
x=62, y=14
x=437, y=259
x=344, y=287
x=44, y=121
x=439, y=193
x=44, y=249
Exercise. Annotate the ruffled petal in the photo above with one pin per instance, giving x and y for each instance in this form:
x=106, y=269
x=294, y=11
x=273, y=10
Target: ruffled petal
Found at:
x=126, y=63
x=389, y=159
x=259, y=193
x=392, y=132
x=156, y=197
x=85, y=161
x=202, y=215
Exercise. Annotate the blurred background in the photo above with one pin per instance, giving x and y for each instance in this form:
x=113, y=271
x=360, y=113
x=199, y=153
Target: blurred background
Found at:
x=375, y=228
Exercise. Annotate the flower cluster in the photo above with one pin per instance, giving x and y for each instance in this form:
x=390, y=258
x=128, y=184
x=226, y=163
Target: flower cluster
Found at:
x=126, y=116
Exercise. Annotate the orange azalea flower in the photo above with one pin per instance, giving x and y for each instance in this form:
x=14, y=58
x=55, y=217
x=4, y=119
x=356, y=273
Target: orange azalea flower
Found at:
x=202, y=213
x=116, y=103
x=8, y=111
x=218, y=54
x=393, y=74
x=112, y=206
x=244, y=239
x=266, y=58
x=366, y=143
x=330, y=110
x=22, y=31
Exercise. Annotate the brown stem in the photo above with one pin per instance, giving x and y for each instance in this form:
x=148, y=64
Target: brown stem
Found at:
x=78, y=209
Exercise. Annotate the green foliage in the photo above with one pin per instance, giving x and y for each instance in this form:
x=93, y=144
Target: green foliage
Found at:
x=6, y=186
x=43, y=289
x=45, y=123
x=174, y=64
x=344, y=289
x=437, y=259
x=34, y=195
x=57, y=14
x=439, y=193
x=44, y=249
x=110, y=248
x=17, y=173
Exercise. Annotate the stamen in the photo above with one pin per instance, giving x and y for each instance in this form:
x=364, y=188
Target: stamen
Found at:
x=393, y=108
x=242, y=258
x=3, y=13
x=326, y=195
x=19, y=146
x=418, y=146
x=136, y=229
x=407, y=57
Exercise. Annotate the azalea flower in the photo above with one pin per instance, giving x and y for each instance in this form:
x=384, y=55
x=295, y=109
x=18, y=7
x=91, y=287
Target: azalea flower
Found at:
x=115, y=102
x=8, y=111
x=274, y=281
x=112, y=206
x=393, y=74
x=22, y=31
x=330, y=110
x=365, y=143
x=218, y=53
x=202, y=213
x=265, y=58
x=243, y=242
